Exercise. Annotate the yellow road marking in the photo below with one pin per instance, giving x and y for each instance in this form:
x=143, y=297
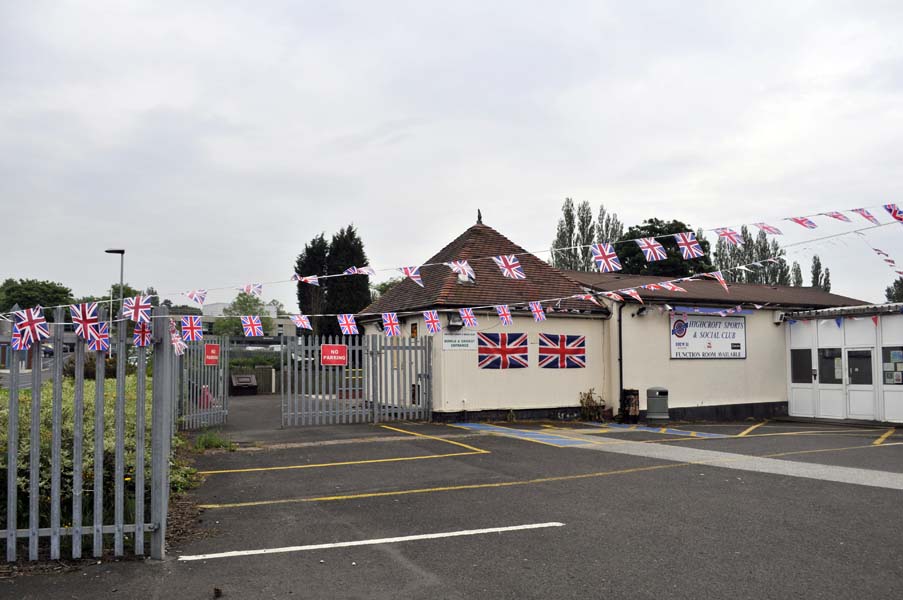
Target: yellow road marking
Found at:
x=438, y=439
x=503, y=484
x=340, y=464
x=749, y=430
x=886, y=435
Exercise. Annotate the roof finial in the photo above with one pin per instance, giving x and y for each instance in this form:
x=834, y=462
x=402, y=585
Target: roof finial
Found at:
x=479, y=217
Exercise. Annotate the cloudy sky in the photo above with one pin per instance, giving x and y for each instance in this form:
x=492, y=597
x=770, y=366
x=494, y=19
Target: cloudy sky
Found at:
x=212, y=139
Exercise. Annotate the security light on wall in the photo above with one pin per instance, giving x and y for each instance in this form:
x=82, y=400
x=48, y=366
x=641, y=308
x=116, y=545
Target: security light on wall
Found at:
x=641, y=312
x=454, y=322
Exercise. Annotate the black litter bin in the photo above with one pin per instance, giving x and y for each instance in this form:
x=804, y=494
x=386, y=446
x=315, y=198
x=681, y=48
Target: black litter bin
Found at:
x=630, y=406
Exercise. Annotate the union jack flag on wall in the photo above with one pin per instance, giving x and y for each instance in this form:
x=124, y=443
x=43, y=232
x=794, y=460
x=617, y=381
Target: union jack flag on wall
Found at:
x=895, y=213
x=301, y=321
x=504, y=314
x=562, y=351
x=462, y=267
x=730, y=236
x=142, y=335
x=251, y=326
x=509, y=266
x=431, y=318
x=467, y=316
x=192, y=331
x=538, y=313
x=502, y=350
x=838, y=215
x=137, y=309
x=347, y=324
x=32, y=325
x=605, y=258
x=253, y=289
x=100, y=338
x=689, y=245
x=197, y=296
x=768, y=228
x=652, y=250
x=865, y=214
x=391, y=325
x=413, y=273
x=804, y=221
x=18, y=341
x=83, y=316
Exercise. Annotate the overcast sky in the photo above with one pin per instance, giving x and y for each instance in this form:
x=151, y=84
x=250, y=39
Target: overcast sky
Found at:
x=213, y=139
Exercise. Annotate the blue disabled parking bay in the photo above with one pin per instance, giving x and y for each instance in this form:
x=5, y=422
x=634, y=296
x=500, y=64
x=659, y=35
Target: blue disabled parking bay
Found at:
x=665, y=430
x=533, y=436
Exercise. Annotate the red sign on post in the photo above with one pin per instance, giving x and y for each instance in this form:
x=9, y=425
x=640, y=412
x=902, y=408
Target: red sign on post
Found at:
x=211, y=355
x=334, y=355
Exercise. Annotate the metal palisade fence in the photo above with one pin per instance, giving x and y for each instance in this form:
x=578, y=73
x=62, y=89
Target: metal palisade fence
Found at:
x=355, y=379
x=204, y=384
x=93, y=477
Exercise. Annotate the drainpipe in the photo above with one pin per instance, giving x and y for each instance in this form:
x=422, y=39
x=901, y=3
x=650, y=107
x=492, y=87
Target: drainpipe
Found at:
x=620, y=362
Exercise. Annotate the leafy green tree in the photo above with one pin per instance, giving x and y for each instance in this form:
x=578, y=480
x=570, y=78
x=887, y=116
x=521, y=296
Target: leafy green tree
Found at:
x=796, y=275
x=244, y=305
x=894, y=292
x=29, y=293
x=378, y=289
x=753, y=249
x=584, y=236
x=345, y=294
x=183, y=309
x=608, y=227
x=312, y=298
x=821, y=277
x=564, y=256
x=634, y=263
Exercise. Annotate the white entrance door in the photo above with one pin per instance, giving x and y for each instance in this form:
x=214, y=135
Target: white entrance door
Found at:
x=831, y=403
x=860, y=383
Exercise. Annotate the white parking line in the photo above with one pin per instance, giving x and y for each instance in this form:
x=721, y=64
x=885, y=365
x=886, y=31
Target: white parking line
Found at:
x=392, y=540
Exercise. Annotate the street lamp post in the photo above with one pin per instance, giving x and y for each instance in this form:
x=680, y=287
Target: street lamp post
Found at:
x=121, y=253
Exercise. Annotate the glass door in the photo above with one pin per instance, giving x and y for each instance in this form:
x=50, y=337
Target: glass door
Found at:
x=860, y=384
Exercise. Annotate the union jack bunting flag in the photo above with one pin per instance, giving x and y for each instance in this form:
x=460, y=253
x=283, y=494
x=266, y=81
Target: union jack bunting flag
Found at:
x=100, y=338
x=671, y=287
x=468, y=317
x=633, y=294
x=651, y=287
x=391, y=325
x=605, y=258
x=347, y=324
x=192, y=331
x=178, y=346
x=652, y=250
x=716, y=275
x=359, y=271
x=538, y=313
x=586, y=297
x=768, y=228
x=18, y=341
x=83, y=316
x=804, y=221
x=301, y=321
x=502, y=350
x=838, y=215
x=251, y=326
x=613, y=296
x=562, y=351
x=32, y=325
x=730, y=236
x=253, y=289
x=689, y=245
x=865, y=214
x=137, y=309
x=310, y=280
x=504, y=314
x=895, y=213
x=509, y=266
x=197, y=296
x=462, y=267
x=413, y=273
x=142, y=335
x=431, y=318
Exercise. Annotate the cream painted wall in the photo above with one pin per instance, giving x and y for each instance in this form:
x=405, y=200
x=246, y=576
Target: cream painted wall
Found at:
x=760, y=377
x=460, y=385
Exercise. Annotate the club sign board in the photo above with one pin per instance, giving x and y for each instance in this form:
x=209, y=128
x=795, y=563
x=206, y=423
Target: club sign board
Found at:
x=334, y=355
x=699, y=336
